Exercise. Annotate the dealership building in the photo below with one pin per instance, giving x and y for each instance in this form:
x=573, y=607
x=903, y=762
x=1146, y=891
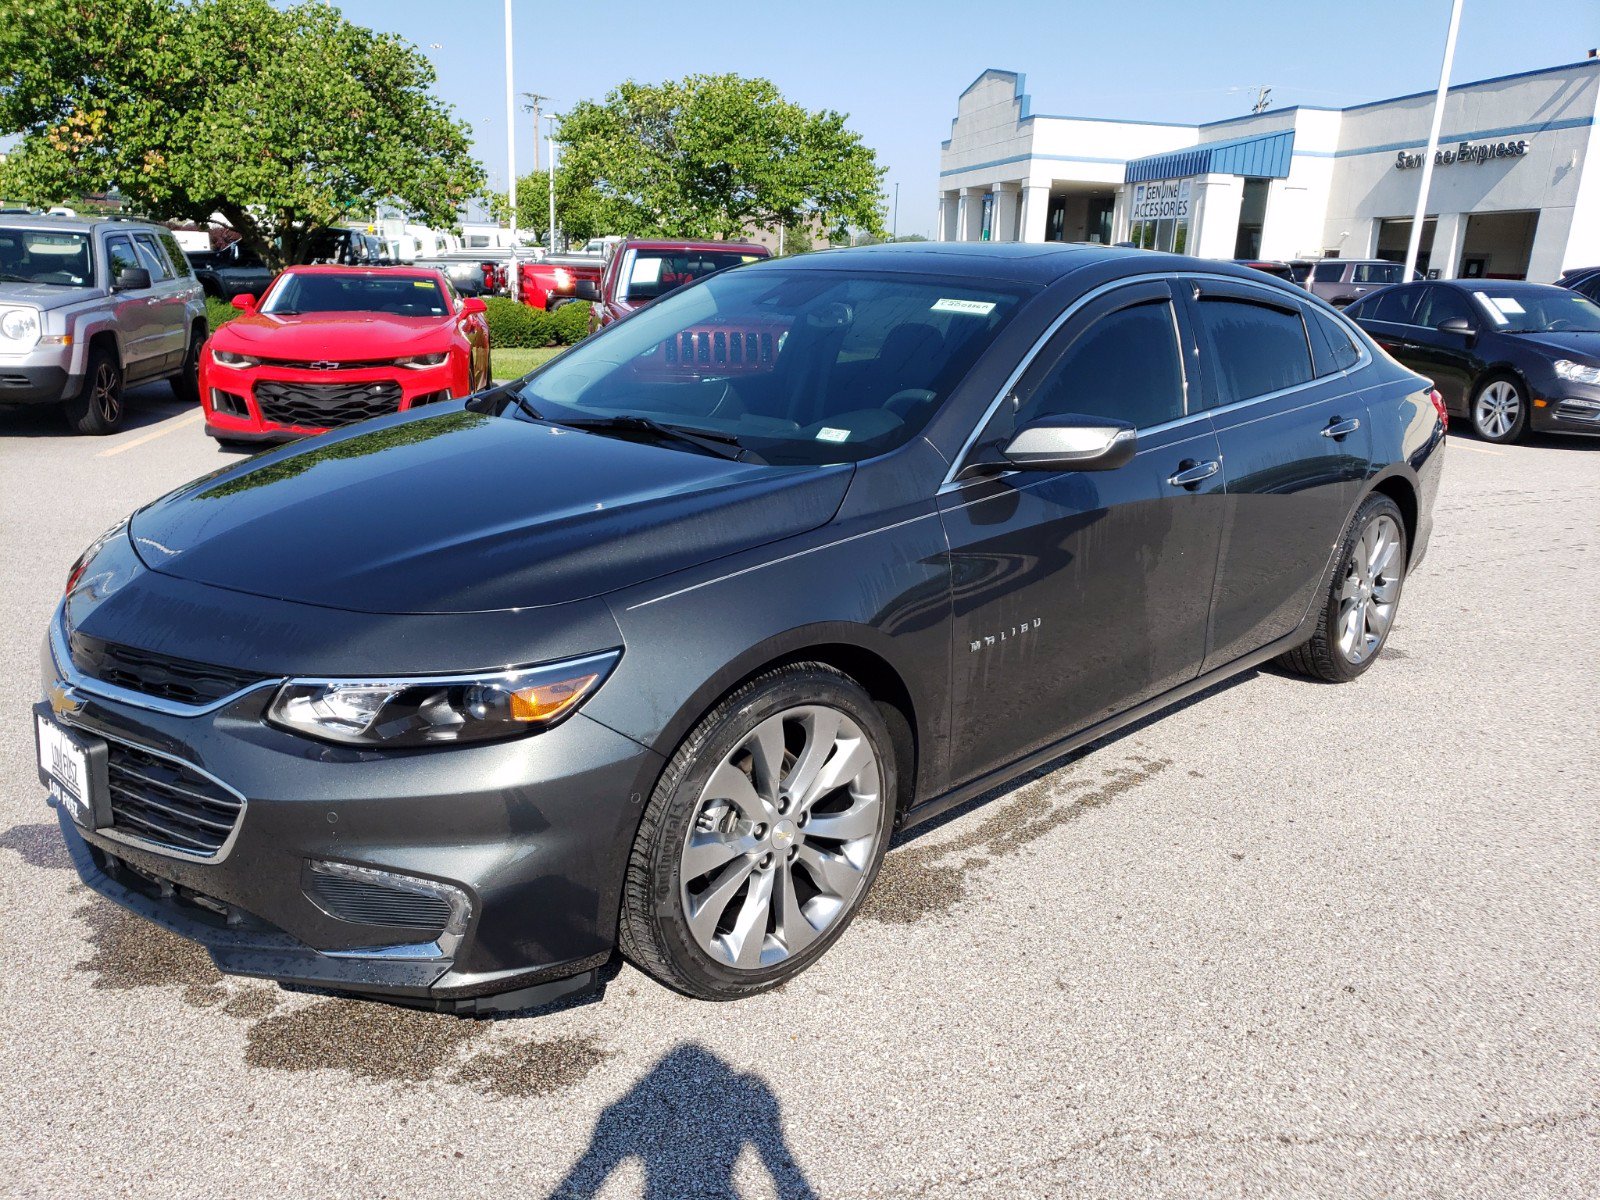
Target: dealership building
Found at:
x=1512, y=196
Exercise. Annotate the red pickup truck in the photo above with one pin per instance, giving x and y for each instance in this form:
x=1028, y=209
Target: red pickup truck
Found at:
x=553, y=280
x=638, y=271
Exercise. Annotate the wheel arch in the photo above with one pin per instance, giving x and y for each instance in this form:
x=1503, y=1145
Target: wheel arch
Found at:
x=1404, y=493
x=846, y=649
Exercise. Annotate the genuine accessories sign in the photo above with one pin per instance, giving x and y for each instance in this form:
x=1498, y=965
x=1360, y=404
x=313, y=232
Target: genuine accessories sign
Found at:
x=1166, y=199
x=1473, y=152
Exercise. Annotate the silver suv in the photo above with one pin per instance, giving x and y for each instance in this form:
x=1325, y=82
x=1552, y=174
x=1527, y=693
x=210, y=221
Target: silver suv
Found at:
x=87, y=306
x=1342, y=281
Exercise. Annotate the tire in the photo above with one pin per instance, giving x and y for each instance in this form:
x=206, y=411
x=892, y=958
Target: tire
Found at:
x=766, y=881
x=1499, y=410
x=186, y=383
x=1360, y=607
x=98, y=408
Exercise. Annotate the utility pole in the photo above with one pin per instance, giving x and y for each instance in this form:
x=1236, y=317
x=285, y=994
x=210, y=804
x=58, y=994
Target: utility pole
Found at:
x=534, y=100
x=514, y=275
x=1263, y=99
x=894, y=222
x=1414, y=247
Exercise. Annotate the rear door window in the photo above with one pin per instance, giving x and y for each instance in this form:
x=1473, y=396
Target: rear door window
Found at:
x=1383, y=272
x=1256, y=348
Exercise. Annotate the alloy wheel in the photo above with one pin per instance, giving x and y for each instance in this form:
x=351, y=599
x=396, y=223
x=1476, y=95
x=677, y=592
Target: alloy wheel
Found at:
x=1497, y=409
x=106, y=396
x=1370, y=588
x=783, y=836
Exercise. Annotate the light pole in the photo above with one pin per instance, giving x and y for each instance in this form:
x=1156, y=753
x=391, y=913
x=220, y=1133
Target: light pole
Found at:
x=894, y=223
x=552, y=119
x=514, y=276
x=1415, y=245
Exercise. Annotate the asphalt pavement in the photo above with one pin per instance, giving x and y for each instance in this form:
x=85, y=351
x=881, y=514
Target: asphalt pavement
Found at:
x=1286, y=940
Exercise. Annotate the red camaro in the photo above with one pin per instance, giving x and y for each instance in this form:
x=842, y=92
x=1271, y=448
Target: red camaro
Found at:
x=326, y=346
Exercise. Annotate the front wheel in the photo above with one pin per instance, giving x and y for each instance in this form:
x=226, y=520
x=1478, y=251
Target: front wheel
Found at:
x=1499, y=410
x=186, y=383
x=762, y=836
x=97, y=408
x=1362, y=599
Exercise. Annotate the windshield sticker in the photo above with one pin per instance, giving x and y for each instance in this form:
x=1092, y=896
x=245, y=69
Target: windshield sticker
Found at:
x=825, y=434
x=1493, y=309
x=423, y=283
x=975, y=308
x=647, y=270
x=1507, y=305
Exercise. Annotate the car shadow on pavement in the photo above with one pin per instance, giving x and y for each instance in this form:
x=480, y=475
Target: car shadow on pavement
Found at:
x=687, y=1122
x=145, y=405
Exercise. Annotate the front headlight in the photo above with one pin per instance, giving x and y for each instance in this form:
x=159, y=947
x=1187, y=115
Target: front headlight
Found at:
x=1577, y=372
x=19, y=328
x=418, y=361
x=439, y=710
x=227, y=358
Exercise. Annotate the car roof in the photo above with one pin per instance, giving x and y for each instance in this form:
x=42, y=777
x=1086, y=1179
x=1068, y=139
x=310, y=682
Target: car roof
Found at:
x=1040, y=263
x=690, y=244
x=342, y=269
x=1499, y=285
x=45, y=222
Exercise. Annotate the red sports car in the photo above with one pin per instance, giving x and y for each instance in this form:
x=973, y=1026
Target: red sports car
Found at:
x=326, y=346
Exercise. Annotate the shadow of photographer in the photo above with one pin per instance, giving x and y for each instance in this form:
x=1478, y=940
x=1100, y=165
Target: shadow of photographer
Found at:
x=687, y=1121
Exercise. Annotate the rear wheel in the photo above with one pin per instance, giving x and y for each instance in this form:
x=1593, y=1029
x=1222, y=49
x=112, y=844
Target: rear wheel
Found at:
x=762, y=837
x=1362, y=600
x=1499, y=410
x=97, y=408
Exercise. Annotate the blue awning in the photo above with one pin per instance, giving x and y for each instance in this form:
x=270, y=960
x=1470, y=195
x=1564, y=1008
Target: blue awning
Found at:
x=1263, y=156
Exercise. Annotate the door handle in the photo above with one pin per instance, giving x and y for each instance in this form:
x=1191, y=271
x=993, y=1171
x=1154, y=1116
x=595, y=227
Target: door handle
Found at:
x=1192, y=474
x=1339, y=430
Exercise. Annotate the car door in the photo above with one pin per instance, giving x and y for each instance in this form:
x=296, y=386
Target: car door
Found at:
x=137, y=320
x=1079, y=594
x=170, y=296
x=1295, y=447
x=1445, y=356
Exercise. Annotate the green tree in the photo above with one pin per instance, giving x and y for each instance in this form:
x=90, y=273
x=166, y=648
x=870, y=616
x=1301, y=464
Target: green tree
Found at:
x=533, y=205
x=712, y=156
x=281, y=119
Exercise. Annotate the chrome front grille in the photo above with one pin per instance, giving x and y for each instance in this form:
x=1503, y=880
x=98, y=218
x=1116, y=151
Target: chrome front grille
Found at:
x=167, y=802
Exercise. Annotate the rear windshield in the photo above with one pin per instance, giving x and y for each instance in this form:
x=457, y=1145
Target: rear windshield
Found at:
x=799, y=366
x=392, y=292
x=45, y=256
x=648, y=274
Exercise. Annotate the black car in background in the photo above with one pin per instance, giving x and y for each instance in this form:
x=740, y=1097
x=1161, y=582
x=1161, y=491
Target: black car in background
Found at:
x=231, y=271
x=1509, y=356
x=656, y=647
x=1585, y=281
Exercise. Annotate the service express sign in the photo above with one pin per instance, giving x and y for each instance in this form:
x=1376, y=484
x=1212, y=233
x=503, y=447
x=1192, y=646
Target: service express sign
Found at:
x=1162, y=200
x=1466, y=152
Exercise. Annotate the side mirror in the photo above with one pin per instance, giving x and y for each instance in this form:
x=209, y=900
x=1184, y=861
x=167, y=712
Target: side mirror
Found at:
x=244, y=302
x=587, y=289
x=1069, y=442
x=1458, y=325
x=132, y=279
x=473, y=305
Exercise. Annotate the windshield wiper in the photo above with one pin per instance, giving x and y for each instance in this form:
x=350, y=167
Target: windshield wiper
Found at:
x=484, y=401
x=7, y=277
x=724, y=445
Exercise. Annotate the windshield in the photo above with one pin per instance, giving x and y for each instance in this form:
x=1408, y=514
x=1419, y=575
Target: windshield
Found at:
x=647, y=274
x=799, y=366
x=391, y=292
x=45, y=256
x=1542, y=310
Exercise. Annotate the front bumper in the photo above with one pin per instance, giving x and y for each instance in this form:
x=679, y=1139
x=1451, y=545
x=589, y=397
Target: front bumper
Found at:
x=533, y=832
x=236, y=412
x=1569, y=414
x=34, y=384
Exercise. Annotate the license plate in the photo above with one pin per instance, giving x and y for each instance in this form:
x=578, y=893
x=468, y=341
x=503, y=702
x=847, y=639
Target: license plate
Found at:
x=73, y=768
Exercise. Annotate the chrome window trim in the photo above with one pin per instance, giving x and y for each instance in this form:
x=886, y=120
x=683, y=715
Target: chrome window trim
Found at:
x=950, y=482
x=78, y=681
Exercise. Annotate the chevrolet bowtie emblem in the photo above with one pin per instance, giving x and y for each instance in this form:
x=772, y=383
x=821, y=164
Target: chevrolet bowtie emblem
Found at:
x=63, y=700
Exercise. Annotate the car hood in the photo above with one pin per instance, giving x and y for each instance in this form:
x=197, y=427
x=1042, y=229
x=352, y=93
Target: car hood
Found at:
x=44, y=295
x=457, y=511
x=1566, y=345
x=318, y=335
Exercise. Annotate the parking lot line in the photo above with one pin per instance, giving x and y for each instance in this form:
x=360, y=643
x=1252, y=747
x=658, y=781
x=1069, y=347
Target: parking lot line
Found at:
x=1478, y=449
x=153, y=434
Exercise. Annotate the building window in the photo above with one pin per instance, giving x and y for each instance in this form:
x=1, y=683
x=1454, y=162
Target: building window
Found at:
x=1170, y=235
